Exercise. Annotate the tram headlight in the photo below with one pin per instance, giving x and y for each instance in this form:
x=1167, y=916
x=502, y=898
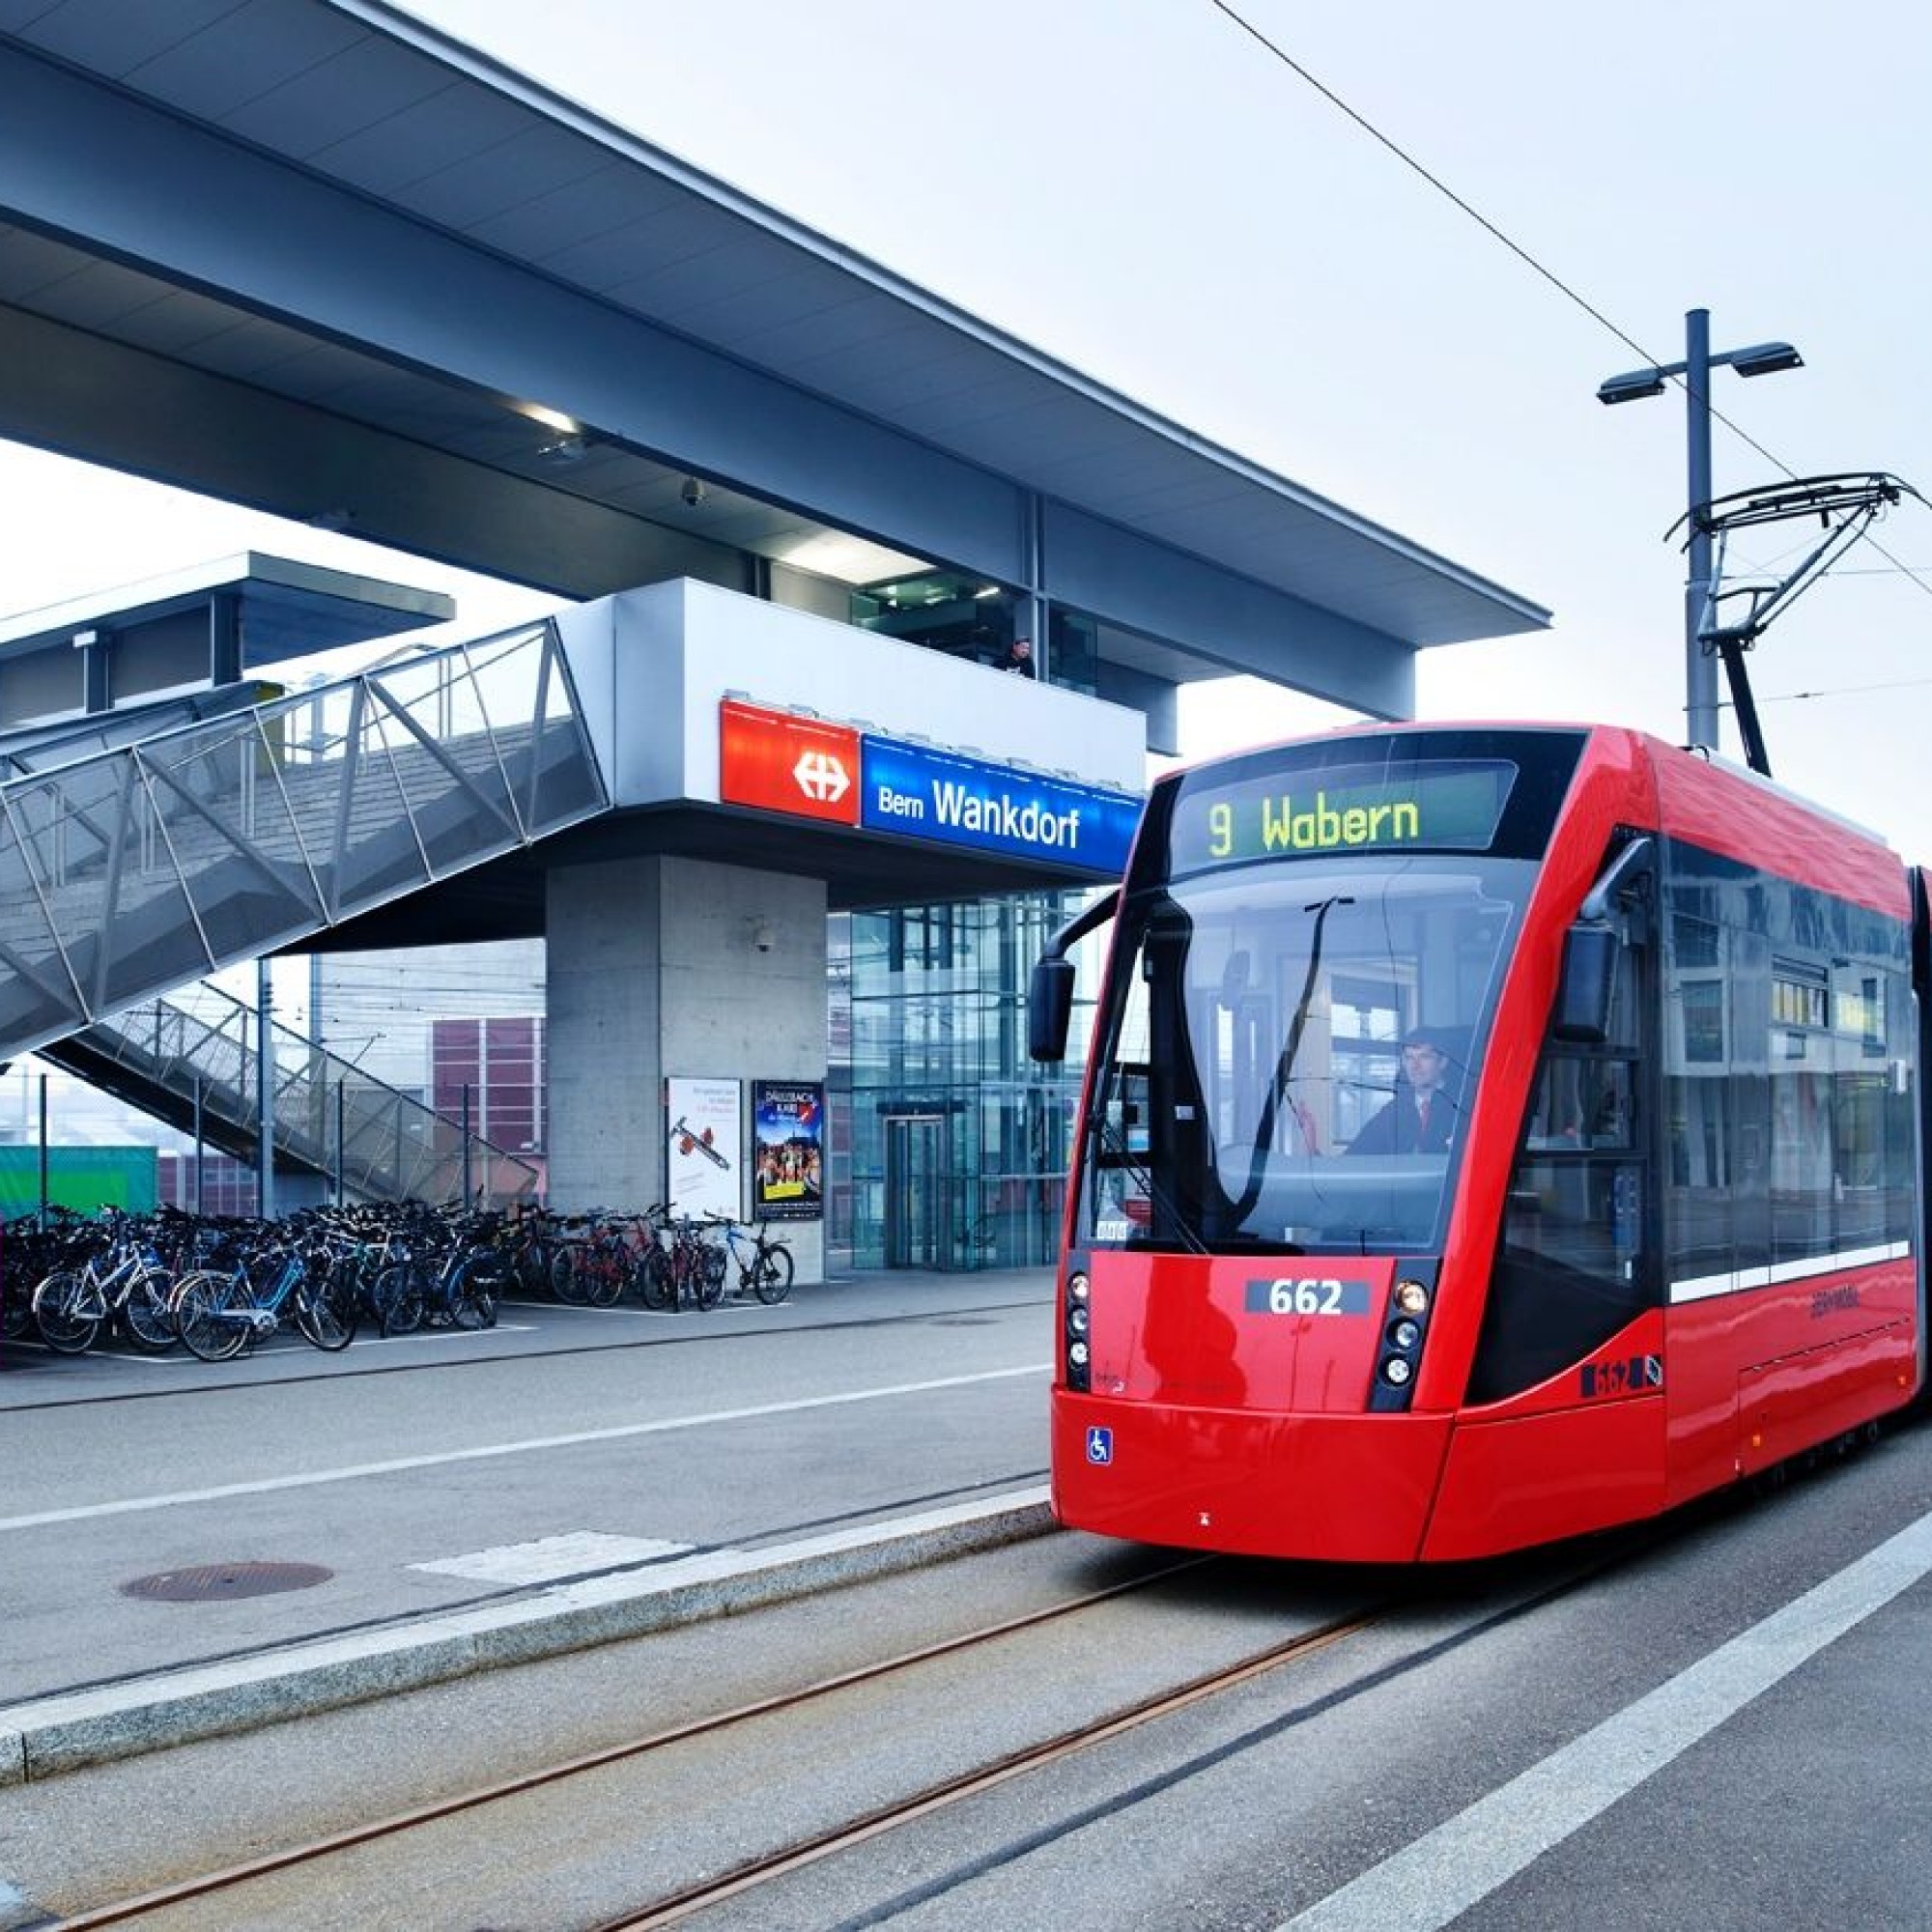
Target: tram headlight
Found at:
x=1076, y=1320
x=1405, y=1322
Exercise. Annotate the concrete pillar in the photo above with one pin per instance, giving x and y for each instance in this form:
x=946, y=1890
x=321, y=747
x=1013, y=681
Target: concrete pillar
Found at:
x=665, y=966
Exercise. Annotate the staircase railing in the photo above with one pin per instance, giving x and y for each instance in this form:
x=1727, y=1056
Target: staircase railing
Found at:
x=148, y=865
x=372, y=1140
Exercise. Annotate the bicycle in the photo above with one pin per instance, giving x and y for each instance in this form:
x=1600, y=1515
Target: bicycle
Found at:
x=463, y=1292
x=763, y=1260
x=126, y=1282
x=530, y=1238
x=32, y=1247
x=218, y=1314
x=592, y=1262
x=679, y=1262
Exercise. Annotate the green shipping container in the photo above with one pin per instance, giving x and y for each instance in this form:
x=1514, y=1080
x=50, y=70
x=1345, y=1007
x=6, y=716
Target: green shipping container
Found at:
x=84, y=1179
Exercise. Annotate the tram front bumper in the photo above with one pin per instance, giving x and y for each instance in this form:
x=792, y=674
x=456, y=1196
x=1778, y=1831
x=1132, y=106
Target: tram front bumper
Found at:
x=1343, y=1489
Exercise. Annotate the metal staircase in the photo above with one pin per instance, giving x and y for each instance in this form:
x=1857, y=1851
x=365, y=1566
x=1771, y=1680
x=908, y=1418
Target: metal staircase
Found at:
x=192, y=1061
x=128, y=870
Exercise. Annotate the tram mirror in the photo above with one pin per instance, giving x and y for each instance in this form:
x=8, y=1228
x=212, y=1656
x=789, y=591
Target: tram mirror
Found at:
x=1588, y=985
x=1049, y=1009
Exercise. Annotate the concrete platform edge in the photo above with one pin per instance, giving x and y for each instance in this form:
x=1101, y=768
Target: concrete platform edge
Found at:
x=46, y=1737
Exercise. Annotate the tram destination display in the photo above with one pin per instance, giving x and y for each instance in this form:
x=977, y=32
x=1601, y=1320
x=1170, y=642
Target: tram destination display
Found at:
x=1319, y=810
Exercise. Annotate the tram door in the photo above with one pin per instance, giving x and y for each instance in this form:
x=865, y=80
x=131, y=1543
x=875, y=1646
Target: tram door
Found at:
x=917, y=1187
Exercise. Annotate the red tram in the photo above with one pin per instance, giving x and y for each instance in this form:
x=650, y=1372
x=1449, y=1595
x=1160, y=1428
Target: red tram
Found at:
x=1656, y=1230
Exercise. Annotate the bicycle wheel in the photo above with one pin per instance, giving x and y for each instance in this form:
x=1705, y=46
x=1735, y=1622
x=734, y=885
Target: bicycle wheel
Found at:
x=771, y=1273
x=656, y=1287
x=68, y=1311
x=148, y=1317
x=400, y=1299
x=707, y=1276
x=471, y=1302
x=325, y=1316
x=602, y=1276
x=567, y=1281
x=211, y=1313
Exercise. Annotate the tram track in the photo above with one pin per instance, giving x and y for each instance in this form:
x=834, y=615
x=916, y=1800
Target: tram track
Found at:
x=675, y=1908
x=487, y=1815
x=935, y=1798
x=312, y=1854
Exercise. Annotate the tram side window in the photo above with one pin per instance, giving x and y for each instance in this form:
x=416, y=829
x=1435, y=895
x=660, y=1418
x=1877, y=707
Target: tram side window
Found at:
x=1840, y=1123
x=1801, y=1150
x=1789, y=1044
x=1871, y=1111
x=1716, y=1103
x=1118, y=1206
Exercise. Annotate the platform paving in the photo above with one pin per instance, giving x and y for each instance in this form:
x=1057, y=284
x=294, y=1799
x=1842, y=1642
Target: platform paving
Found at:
x=194, y=1549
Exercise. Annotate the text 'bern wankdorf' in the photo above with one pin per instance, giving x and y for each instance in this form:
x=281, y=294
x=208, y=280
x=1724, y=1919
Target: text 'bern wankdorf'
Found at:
x=994, y=815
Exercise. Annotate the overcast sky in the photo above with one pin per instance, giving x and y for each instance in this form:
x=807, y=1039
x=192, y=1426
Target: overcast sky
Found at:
x=1145, y=191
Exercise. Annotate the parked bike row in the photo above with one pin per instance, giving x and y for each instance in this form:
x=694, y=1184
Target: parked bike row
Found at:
x=219, y=1285
x=667, y=1261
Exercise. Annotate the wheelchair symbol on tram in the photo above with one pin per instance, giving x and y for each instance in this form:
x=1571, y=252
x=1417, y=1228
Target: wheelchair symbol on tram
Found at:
x=1100, y=1446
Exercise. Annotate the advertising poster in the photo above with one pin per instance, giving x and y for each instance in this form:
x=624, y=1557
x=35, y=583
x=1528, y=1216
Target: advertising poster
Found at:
x=703, y=1117
x=788, y=1149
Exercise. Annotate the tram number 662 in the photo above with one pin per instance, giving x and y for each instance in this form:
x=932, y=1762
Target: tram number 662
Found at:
x=1307, y=1294
x=1305, y=1297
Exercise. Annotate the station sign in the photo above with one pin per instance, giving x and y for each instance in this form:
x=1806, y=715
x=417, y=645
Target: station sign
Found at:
x=955, y=800
x=782, y=762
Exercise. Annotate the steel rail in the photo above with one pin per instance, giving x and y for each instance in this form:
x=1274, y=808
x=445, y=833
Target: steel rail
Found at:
x=970, y=1784
x=400, y=1823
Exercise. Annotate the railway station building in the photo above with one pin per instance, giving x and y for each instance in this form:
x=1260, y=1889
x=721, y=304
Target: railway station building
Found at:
x=789, y=832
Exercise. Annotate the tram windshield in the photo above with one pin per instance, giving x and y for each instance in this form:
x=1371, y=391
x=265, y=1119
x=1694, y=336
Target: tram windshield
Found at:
x=1287, y=1052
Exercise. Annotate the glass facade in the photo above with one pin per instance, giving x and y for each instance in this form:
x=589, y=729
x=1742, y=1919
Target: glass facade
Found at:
x=949, y=1147
x=966, y=617
x=942, y=610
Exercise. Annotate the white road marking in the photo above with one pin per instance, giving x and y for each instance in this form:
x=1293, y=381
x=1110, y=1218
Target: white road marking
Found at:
x=551, y=1558
x=375, y=1339
x=487, y=1451
x=1441, y=1875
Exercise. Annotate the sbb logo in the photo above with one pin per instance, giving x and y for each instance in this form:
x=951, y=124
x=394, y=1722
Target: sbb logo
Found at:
x=779, y=762
x=821, y=776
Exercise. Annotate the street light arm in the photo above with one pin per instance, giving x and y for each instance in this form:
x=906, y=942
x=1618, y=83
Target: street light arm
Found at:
x=1758, y=358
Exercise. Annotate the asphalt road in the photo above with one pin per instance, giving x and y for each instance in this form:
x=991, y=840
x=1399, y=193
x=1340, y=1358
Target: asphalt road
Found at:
x=1720, y=1723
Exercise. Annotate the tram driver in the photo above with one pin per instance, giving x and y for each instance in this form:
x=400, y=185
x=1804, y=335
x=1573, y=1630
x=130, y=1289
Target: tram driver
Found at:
x=1421, y=1117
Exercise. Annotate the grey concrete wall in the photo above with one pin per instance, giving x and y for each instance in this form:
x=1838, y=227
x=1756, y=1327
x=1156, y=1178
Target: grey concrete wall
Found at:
x=656, y=970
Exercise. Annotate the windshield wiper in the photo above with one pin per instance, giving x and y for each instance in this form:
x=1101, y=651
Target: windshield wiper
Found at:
x=1284, y=1067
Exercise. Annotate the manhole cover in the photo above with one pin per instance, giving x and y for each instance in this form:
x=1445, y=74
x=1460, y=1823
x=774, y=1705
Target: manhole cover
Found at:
x=211, y=1582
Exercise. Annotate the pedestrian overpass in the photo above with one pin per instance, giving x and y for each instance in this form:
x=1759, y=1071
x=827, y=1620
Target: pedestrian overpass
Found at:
x=428, y=797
